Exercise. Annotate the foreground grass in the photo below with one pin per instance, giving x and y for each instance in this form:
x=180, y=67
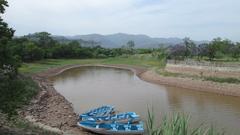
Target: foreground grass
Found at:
x=176, y=125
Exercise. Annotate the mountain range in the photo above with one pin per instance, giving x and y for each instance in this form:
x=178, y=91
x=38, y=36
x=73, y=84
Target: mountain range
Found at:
x=120, y=39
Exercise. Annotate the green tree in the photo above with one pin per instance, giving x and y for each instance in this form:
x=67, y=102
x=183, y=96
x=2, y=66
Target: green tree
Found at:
x=8, y=63
x=130, y=47
x=213, y=47
x=12, y=89
x=235, y=51
x=32, y=52
x=44, y=41
x=130, y=44
x=190, y=47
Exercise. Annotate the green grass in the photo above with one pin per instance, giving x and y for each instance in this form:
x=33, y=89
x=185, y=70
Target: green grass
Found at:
x=137, y=60
x=39, y=66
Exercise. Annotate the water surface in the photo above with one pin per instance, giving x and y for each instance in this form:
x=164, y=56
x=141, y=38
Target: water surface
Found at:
x=89, y=87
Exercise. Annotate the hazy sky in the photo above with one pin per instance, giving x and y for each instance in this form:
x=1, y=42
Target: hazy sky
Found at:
x=198, y=19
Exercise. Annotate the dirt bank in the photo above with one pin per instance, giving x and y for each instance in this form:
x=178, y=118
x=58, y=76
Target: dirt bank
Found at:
x=56, y=113
x=193, y=84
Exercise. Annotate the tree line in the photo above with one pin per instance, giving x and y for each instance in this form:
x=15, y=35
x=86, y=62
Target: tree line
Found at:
x=15, y=89
x=41, y=45
x=216, y=49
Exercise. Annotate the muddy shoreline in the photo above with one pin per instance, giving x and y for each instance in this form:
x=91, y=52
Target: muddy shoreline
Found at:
x=52, y=111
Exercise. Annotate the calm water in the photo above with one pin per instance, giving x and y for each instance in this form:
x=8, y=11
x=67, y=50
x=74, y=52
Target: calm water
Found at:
x=89, y=87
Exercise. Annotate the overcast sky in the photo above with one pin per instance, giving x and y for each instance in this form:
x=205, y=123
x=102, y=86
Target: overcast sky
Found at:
x=198, y=19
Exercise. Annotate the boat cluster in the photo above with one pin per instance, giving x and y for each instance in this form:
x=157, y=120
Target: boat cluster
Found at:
x=104, y=120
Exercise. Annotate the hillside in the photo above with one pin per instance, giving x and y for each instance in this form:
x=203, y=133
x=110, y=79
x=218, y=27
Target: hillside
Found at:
x=119, y=39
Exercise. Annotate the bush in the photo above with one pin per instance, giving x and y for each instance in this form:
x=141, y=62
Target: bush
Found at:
x=223, y=80
x=15, y=93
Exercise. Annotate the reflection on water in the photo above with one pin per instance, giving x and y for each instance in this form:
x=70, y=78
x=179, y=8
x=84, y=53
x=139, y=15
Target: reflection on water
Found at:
x=89, y=87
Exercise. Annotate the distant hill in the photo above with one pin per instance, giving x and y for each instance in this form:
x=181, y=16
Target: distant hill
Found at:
x=63, y=39
x=119, y=39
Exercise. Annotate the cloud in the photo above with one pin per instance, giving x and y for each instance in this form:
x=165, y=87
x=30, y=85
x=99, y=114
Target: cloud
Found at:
x=202, y=19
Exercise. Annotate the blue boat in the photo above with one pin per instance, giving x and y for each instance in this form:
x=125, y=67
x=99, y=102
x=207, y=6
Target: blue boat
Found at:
x=113, y=128
x=101, y=111
x=126, y=117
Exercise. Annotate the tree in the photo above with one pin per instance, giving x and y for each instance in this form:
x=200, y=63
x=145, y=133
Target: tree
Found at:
x=235, y=51
x=9, y=82
x=130, y=44
x=32, y=52
x=44, y=41
x=8, y=63
x=215, y=47
x=177, y=52
x=202, y=50
x=190, y=47
x=130, y=47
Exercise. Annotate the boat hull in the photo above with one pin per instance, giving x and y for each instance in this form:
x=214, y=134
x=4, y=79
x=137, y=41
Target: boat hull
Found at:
x=108, y=132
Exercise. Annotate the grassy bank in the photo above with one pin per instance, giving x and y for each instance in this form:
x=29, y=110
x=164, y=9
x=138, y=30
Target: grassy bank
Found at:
x=39, y=66
x=137, y=60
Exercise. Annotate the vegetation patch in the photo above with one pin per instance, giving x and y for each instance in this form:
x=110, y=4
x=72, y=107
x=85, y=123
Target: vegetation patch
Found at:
x=223, y=80
x=19, y=126
x=15, y=93
x=178, y=124
x=135, y=60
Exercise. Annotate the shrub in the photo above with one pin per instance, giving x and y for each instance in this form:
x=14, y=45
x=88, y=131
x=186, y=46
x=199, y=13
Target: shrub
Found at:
x=15, y=93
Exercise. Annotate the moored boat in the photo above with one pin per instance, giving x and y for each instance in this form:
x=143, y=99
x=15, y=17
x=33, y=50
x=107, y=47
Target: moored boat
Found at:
x=126, y=117
x=113, y=128
x=100, y=111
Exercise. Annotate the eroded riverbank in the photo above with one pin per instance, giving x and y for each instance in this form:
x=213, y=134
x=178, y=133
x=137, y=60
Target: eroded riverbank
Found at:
x=52, y=109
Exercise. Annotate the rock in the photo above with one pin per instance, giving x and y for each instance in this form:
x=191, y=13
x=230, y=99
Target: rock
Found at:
x=73, y=125
x=29, y=109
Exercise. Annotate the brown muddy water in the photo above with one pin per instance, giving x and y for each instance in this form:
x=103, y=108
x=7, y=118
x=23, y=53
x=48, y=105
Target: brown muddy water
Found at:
x=89, y=87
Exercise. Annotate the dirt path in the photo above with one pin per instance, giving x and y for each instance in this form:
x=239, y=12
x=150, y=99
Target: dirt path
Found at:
x=52, y=111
